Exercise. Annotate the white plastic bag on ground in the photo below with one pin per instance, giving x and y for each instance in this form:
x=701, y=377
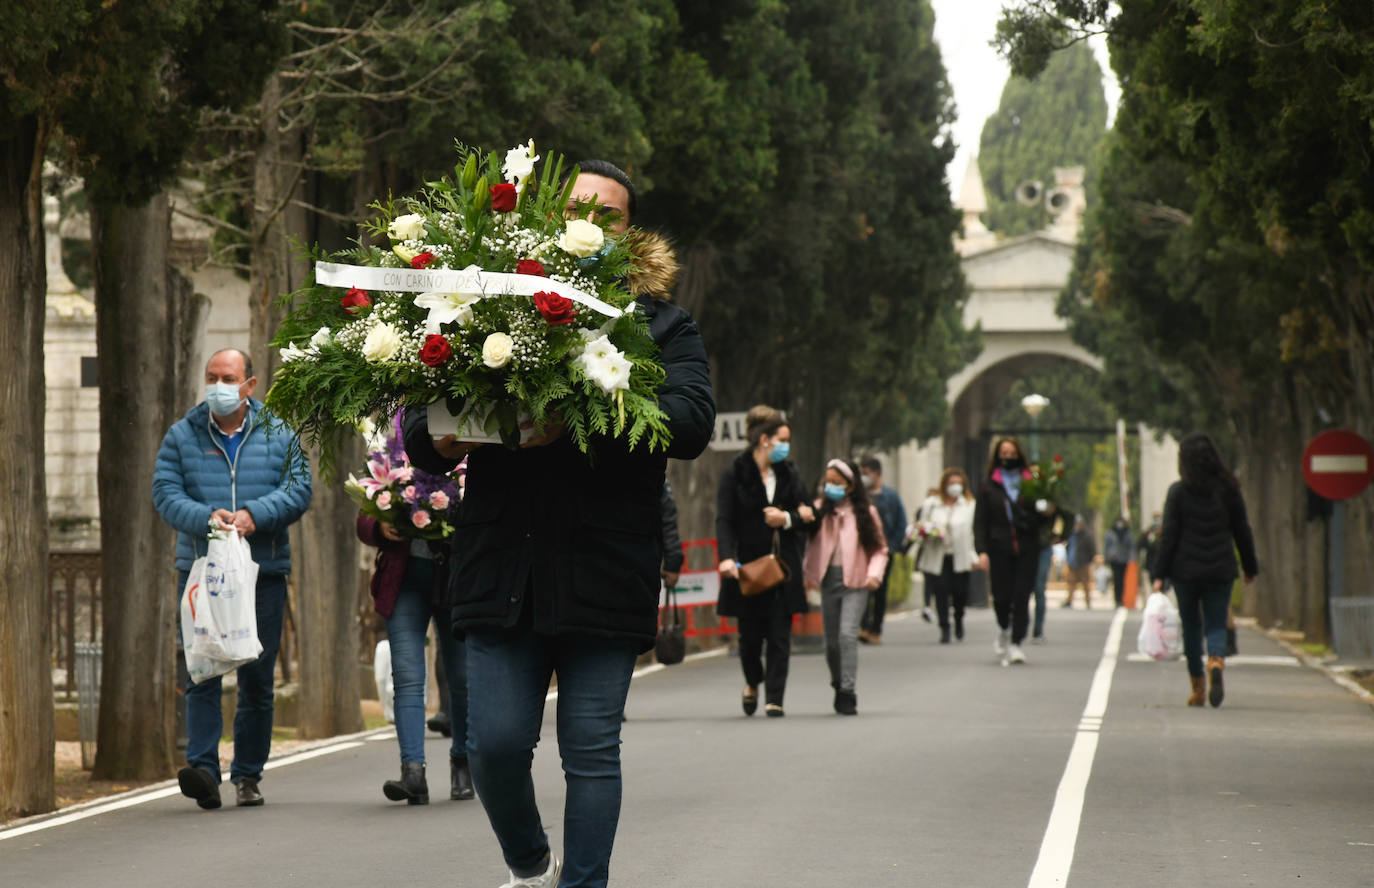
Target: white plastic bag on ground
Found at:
x=1160, y=629
x=219, y=624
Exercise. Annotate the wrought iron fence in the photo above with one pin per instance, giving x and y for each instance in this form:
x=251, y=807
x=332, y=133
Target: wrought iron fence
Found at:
x=74, y=594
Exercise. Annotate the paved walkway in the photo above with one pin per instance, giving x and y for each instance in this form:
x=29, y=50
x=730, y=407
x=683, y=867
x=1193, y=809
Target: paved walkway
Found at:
x=1082, y=768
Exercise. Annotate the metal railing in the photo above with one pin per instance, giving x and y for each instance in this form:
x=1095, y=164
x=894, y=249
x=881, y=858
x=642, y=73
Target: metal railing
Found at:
x=74, y=596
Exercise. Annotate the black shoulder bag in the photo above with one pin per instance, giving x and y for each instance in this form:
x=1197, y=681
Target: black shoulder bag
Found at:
x=671, y=644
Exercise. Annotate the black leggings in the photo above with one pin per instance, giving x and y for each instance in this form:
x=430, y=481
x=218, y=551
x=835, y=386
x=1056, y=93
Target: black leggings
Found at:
x=1012, y=578
x=949, y=586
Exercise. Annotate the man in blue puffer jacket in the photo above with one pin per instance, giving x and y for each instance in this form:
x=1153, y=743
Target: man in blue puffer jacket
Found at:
x=229, y=460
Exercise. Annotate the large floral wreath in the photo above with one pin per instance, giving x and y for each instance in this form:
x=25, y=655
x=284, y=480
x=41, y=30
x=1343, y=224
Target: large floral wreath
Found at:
x=486, y=303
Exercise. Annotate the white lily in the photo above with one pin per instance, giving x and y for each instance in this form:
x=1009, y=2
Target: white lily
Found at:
x=446, y=308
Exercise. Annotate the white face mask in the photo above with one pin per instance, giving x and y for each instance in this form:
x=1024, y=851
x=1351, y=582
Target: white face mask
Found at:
x=954, y=491
x=223, y=398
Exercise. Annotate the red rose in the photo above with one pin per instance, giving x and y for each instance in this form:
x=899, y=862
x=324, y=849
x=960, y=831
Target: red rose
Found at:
x=423, y=260
x=555, y=309
x=435, y=351
x=355, y=301
x=503, y=197
x=1058, y=458
x=529, y=266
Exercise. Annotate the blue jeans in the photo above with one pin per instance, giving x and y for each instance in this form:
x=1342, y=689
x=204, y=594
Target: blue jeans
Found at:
x=1042, y=579
x=1202, y=606
x=405, y=629
x=508, y=679
x=253, y=714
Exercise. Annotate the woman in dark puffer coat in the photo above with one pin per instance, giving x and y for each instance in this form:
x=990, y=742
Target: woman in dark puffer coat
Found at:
x=1204, y=525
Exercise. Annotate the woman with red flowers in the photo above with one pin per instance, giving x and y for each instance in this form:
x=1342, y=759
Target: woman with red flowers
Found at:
x=1006, y=535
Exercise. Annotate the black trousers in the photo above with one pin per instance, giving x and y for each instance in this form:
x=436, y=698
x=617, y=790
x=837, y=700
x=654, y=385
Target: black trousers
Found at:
x=949, y=587
x=765, y=626
x=1012, y=578
x=1119, y=581
x=877, y=604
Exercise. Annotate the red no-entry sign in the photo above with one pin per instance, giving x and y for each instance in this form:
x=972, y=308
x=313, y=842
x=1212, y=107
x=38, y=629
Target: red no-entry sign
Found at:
x=1338, y=464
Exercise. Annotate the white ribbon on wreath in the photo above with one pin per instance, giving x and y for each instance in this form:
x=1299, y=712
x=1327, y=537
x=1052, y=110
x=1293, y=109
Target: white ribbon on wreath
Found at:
x=442, y=280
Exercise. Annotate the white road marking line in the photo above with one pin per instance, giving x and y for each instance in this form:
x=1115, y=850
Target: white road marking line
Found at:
x=1238, y=660
x=159, y=792
x=1061, y=834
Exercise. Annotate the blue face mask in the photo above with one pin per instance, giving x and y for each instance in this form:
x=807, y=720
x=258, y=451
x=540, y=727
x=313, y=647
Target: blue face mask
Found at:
x=223, y=398
x=780, y=451
x=834, y=492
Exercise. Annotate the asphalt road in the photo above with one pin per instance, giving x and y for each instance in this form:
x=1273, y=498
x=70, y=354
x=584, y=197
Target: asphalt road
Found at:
x=957, y=772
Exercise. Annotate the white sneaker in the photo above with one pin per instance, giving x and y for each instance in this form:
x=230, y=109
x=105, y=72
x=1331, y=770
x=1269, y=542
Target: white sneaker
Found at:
x=1015, y=655
x=999, y=646
x=548, y=880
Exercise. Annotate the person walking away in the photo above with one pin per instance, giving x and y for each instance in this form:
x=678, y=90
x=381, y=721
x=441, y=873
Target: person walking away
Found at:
x=761, y=496
x=673, y=557
x=556, y=570
x=1052, y=533
x=230, y=461
x=1118, y=549
x=1204, y=525
x=947, y=555
x=1079, y=554
x=893, y=512
x=409, y=590
x=845, y=560
x=1006, y=532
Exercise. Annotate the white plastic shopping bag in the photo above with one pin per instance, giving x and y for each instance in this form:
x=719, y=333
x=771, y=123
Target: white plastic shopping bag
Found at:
x=1160, y=631
x=219, y=624
x=381, y=670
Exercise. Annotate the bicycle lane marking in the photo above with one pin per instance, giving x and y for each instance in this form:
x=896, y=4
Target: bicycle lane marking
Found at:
x=1061, y=834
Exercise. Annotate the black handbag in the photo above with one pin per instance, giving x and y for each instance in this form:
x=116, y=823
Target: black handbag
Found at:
x=671, y=644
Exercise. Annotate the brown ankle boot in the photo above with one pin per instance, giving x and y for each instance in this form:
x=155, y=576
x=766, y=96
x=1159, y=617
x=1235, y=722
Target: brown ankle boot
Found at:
x=1199, y=690
x=1214, y=668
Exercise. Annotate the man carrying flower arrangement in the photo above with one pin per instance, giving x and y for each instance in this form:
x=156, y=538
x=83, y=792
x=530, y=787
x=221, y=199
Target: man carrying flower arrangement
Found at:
x=556, y=569
x=229, y=462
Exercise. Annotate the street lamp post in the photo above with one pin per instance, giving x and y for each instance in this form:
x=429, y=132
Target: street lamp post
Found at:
x=1033, y=405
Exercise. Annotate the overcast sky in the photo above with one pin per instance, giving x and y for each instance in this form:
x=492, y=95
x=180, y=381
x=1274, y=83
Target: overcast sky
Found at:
x=963, y=29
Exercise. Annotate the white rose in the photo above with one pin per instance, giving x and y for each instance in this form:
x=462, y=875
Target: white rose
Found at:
x=382, y=343
x=411, y=226
x=582, y=238
x=497, y=350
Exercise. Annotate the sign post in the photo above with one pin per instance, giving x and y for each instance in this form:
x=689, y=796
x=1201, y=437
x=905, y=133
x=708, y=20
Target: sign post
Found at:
x=1337, y=464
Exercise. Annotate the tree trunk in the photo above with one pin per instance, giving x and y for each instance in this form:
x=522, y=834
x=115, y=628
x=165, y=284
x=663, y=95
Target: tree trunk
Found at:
x=277, y=175
x=26, y=702
x=138, y=298
x=326, y=577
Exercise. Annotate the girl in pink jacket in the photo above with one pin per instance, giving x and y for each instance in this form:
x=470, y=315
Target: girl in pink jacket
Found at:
x=845, y=560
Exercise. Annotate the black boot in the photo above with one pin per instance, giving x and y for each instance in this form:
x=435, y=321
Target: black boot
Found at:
x=944, y=635
x=411, y=788
x=846, y=703
x=959, y=627
x=1231, y=649
x=440, y=723
x=460, y=780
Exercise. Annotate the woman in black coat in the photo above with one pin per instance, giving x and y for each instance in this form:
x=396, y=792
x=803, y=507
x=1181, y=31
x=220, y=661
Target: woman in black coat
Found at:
x=1204, y=525
x=1006, y=535
x=761, y=494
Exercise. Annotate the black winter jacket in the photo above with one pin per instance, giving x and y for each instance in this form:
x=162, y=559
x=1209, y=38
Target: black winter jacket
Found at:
x=741, y=533
x=996, y=534
x=1201, y=532
x=580, y=538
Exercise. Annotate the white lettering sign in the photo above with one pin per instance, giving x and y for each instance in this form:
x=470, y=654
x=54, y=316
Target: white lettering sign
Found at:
x=730, y=432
